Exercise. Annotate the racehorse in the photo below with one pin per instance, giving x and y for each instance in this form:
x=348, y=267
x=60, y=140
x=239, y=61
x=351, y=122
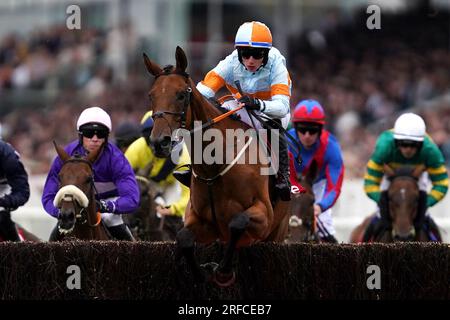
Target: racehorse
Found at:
x=78, y=216
x=302, y=223
x=145, y=223
x=229, y=201
x=402, y=205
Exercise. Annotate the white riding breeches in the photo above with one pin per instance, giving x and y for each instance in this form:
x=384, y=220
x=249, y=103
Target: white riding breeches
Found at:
x=325, y=218
x=244, y=115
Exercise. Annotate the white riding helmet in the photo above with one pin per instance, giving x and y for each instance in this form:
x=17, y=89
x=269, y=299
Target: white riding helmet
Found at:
x=253, y=34
x=94, y=115
x=409, y=126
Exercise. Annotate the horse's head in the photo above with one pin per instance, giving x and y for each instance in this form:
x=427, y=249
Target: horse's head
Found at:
x=403, y=201
x=76, y=189
x=302, y=222
x=170, y=97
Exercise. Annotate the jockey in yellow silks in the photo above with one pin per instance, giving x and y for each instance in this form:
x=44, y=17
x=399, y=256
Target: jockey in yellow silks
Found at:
x=174, y=195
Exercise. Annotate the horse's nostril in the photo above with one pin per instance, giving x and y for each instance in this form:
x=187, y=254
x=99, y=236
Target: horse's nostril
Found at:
x=68, y=216
x=165, y=142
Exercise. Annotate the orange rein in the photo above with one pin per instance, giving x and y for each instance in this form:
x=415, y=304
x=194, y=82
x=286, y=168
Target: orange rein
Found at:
x=227, y=114
x=99, y=219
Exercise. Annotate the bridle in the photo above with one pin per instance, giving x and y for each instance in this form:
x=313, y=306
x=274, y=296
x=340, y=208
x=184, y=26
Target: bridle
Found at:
x=187, y=100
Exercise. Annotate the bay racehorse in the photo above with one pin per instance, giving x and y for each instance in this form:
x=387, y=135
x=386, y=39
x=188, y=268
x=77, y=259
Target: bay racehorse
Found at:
x=302, y=222
x=78, y=216
x=402, y=205
x=229, y=200
x=145, y=223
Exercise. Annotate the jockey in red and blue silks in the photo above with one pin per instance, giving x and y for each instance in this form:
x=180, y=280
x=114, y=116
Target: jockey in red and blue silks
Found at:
x=320, y=145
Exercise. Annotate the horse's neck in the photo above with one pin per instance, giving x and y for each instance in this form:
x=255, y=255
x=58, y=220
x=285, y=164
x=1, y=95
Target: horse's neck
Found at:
x=202, y=110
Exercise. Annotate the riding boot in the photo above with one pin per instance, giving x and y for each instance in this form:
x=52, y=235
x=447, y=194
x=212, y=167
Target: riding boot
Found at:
x=121, y=232
x=184, y=176
x=8, y=230
x=283, y=184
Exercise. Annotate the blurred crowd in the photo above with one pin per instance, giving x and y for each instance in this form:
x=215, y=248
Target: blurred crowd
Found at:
x=363, y=78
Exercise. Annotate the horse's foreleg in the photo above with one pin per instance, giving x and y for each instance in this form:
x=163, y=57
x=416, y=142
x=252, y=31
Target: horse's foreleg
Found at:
x=237, y=227
x=185, y=240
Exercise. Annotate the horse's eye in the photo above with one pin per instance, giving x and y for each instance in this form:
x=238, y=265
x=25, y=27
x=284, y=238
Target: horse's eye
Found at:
x=89, y=179
x=181, y=96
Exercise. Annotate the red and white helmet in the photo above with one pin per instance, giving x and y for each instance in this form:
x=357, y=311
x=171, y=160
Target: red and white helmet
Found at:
x=253, y=34
x=94, y=115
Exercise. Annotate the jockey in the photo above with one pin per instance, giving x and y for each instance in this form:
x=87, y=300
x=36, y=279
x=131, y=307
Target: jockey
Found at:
x=174, y=196
x=125, y=134
x=14, y=189
x=407, y=144
x=263, y=76
x=320, y=145
x=115, y=183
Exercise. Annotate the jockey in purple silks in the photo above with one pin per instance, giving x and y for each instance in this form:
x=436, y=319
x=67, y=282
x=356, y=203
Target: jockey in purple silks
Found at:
x=114, y=179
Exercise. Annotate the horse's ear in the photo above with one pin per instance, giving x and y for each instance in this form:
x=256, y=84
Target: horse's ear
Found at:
x=61, y=152
x=92, y=156
x=312, y=172
x=152, y=67
x=180, y=56
x=418, y=171
x=388, y=170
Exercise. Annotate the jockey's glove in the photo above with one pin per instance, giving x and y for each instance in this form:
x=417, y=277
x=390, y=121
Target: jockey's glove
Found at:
x=250, y=103
x=104, y=206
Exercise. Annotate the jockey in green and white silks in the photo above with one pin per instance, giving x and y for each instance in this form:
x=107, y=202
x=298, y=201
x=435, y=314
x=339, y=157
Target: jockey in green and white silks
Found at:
x=407, y=144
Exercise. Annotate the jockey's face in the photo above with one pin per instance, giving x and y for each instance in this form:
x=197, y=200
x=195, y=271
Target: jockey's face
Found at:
x=92, y=144
x=307, y=134
x=252, y=58
x=408, y=148
x=93, y=137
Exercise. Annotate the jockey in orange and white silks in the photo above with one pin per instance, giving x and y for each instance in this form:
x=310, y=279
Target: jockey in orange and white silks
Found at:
x=269, y=83
x=261, y=71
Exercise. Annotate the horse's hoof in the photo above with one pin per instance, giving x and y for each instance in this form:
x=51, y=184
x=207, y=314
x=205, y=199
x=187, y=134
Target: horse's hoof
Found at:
x=224, y=280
